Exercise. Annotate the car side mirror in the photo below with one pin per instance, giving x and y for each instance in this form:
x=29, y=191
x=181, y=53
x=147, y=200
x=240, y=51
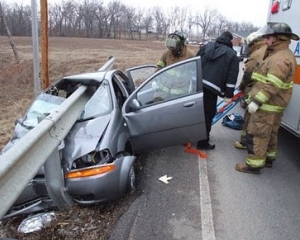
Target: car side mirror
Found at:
x=135, y=105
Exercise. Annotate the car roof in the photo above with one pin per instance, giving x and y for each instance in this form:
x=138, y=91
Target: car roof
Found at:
x=93, y=78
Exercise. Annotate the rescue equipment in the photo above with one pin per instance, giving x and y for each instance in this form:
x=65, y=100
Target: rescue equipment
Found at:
x=223, y=108
x=188, y=148
x=234, y=121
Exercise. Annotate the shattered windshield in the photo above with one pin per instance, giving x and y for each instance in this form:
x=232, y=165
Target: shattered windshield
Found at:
x=100, y=103
x=41, y=107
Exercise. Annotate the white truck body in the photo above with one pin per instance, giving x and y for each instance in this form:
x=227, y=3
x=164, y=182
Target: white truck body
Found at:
x=288, y=11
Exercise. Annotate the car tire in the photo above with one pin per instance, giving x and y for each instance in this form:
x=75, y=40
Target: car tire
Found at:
x=131, y=180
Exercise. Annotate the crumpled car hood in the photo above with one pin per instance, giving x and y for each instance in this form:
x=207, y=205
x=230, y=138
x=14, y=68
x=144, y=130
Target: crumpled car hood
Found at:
x=84, y=137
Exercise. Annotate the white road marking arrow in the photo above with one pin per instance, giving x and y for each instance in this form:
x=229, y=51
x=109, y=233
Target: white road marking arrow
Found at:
x=165, y=179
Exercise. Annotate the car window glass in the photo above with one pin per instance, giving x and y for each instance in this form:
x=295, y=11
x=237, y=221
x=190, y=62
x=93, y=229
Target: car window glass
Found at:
x=172, y=83
x=99, y=104
x=41, y=107
x=141, y=74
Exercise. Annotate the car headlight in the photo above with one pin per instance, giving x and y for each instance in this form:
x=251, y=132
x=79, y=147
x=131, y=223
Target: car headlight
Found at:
x=91, y=164
x=91, y=171
x=92, y=159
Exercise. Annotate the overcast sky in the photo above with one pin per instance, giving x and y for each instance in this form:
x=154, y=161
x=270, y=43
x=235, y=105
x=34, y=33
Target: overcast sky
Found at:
x=254, y=11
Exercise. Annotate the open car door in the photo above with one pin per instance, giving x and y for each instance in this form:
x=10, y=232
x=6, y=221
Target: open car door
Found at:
x=167, y=108
x=139, y=74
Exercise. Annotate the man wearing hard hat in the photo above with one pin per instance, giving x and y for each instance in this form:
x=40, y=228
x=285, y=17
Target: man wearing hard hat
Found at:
x=269, y=97
x=255, y=47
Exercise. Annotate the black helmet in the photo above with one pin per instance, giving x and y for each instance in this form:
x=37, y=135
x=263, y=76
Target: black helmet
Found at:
x=175, y=40
x=280, y=28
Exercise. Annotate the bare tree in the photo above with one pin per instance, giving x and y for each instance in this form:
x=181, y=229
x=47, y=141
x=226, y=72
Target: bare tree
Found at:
x=157, y=15
x=247, y=27
x=173, y=19
x=221, y=23
x=57, y=17
x=148, y=23
x=234, y=26
x=206, y=20
x=138, y=21
x=128, y=23
x=231, y=26
x=101, y=17
x=94, y=18
x=178, y=18
x=161, y=21
x=183, y=17
x=190, y=25
x=20, y=20
x=87, y=10
x=11, y=40
x=115, y=13
x=69, y=18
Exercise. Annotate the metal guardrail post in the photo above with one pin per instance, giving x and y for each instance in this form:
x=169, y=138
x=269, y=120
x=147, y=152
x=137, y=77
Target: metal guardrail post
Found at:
x=55, y=181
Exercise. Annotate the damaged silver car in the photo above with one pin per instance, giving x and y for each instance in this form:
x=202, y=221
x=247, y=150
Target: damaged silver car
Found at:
x=119, y=121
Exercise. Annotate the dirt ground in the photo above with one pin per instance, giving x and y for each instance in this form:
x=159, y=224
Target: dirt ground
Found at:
x=66, y=56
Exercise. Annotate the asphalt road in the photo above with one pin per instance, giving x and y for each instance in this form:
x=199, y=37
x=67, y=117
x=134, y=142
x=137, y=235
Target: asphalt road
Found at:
x=249, y=206
x=165, y=211
x=208, y=199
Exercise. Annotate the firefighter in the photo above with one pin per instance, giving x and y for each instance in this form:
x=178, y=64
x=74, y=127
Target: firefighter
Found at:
x=172, y=85
x=177, y=50
x=269, y=97
x=256, y=47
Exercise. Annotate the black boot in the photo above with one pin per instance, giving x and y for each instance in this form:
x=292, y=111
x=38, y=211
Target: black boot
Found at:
x=269, y=162
x=205, y=145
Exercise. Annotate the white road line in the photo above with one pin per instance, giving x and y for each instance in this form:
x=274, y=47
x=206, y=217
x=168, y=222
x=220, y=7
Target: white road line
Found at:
x=207, y=224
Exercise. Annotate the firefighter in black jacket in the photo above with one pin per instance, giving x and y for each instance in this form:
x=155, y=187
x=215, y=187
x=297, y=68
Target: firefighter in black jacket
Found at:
x=220, y=68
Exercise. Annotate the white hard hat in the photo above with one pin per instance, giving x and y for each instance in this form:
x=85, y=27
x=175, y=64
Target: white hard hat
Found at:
x=252, y=37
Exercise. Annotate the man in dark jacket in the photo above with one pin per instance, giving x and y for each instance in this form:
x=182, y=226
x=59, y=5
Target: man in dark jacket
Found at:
x=220, y=68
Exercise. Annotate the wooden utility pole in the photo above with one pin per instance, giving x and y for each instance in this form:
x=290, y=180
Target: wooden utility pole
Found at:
x=44, y=45
x=11, y=40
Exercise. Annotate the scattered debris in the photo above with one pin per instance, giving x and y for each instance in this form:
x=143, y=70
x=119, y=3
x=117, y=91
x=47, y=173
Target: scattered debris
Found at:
x=36, y=222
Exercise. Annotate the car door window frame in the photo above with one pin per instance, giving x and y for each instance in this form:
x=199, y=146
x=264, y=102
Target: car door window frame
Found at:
x=148, y=87
x=119, y=89
x=139, y=74
x=126, y=81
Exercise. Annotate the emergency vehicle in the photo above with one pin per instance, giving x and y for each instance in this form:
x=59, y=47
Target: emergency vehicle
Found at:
x=287, y=11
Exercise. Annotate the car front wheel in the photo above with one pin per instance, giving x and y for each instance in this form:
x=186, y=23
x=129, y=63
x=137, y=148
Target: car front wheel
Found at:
x=131, y=180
